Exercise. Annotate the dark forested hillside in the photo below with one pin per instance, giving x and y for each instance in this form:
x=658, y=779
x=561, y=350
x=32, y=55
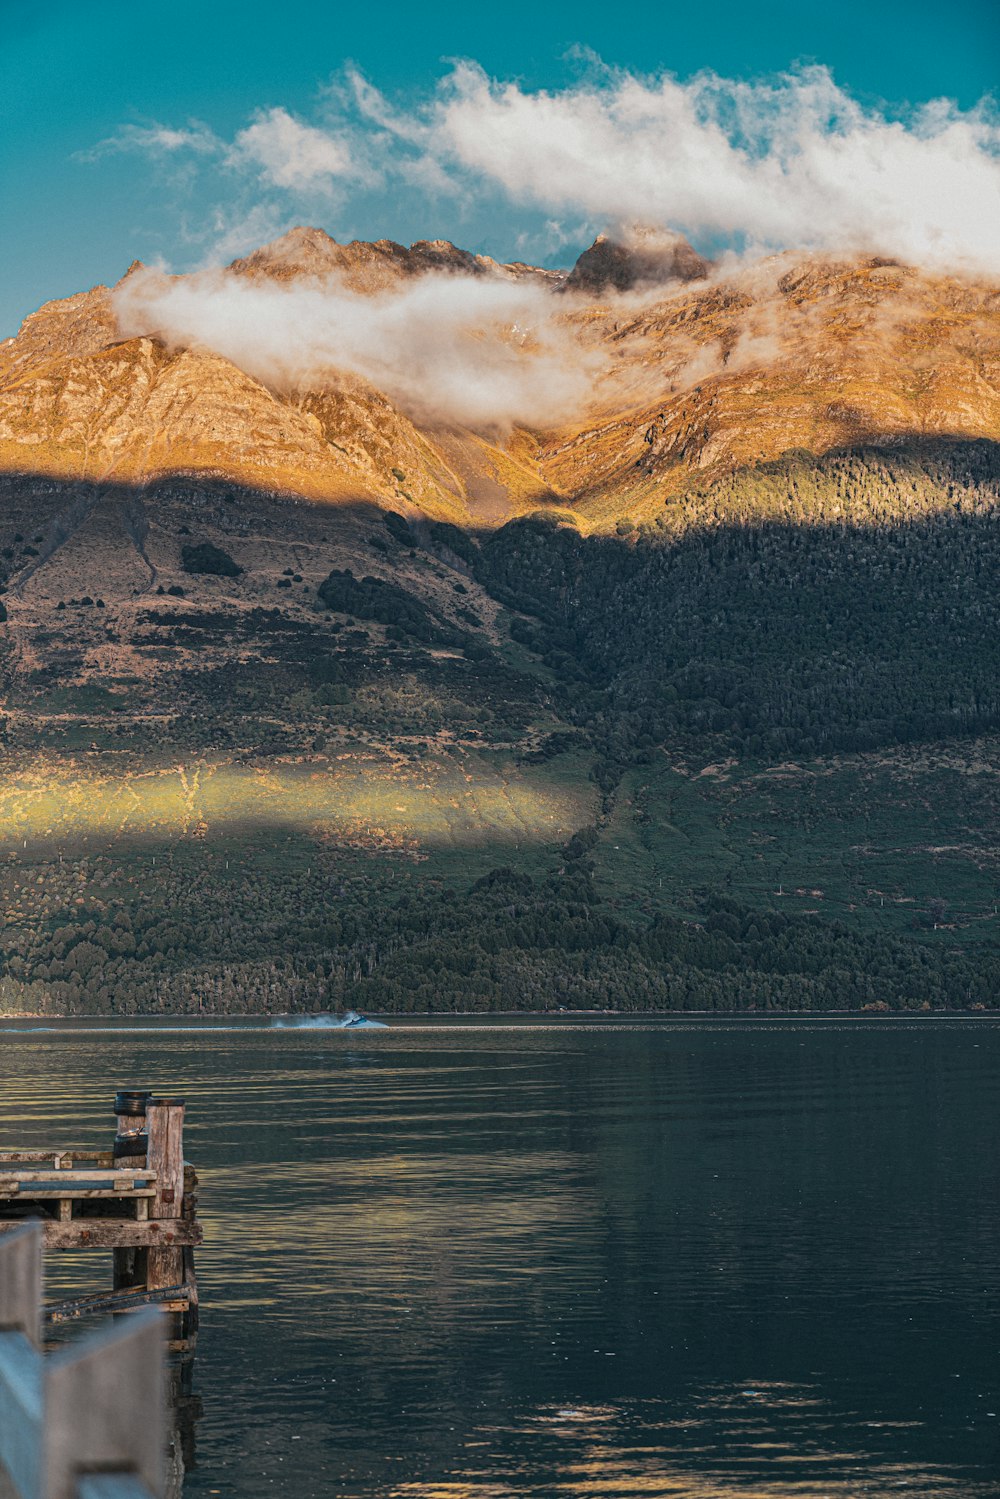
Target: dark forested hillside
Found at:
x=746, y=757
x=809, y=606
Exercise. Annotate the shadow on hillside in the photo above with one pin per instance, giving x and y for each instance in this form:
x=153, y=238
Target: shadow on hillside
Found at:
x=810, y=605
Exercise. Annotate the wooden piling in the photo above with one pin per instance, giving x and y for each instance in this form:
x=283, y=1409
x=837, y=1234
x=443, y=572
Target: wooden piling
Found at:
x=165, y=1156
x=130, y=1112
x=138, y=1200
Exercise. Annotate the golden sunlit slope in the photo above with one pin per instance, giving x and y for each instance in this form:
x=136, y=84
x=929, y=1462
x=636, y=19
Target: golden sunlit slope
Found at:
x=132, y=410
x=707, y=372
x=77, y=401
x=790, y=355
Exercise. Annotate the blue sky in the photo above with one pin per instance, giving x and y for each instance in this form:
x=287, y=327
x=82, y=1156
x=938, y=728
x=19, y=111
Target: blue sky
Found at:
x=237, y=81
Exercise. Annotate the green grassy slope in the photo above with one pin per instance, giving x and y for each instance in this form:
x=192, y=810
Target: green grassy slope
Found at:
x=883, y=842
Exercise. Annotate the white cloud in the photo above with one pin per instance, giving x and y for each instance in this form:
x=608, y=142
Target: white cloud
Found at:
x=795, y=163
x=811, y=170
x=373, y=107
x=790, y=163
x=157, y=140
x=289, y=154
x=237, y=232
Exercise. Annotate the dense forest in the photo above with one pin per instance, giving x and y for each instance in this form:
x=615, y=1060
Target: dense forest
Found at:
x=506, y=942
x=808, y=606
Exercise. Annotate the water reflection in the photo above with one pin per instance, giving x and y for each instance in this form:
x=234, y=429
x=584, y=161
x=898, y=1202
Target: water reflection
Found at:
x=708, y=1259
x=186, y=1410
x=752, y=1443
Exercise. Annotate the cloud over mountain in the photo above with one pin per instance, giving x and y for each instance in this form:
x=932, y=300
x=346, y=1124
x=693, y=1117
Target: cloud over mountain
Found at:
x=289, y=154
x=795, y=161
x=483, y=352
x=791, y=161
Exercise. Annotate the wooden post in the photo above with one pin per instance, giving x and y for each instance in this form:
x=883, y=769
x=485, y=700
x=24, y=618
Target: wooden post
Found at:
x=130, y=1111
x=165, y=1127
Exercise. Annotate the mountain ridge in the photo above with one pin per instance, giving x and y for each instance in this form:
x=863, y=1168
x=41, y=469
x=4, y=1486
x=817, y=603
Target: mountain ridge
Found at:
x=720, y=371
x=372, y=265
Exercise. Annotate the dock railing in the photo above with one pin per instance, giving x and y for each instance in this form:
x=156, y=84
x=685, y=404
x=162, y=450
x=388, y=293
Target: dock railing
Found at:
x=87, y=1422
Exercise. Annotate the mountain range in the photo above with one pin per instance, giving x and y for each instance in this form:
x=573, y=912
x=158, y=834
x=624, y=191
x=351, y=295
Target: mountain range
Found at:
x=390, y=626
x=717, y=372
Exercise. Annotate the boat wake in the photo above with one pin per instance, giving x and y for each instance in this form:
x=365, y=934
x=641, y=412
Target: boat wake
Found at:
x=352, y=1021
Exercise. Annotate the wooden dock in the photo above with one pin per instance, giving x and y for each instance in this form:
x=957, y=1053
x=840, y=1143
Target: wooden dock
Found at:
x=137, y=1199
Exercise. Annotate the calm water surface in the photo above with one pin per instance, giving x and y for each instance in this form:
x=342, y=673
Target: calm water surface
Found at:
x=698, y=1258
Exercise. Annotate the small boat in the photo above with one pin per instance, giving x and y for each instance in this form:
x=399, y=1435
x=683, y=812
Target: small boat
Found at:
x=353, y=1020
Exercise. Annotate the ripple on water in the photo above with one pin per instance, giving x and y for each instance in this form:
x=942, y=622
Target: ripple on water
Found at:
x=695, y=1258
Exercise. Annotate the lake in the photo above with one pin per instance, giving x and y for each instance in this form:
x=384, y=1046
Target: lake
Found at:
x=457, y=1260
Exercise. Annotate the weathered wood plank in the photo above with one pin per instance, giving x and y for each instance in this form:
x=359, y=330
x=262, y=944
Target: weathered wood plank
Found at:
x=122, y=1177
x=62, y=1432
x=171, y=1298
x=31, y=1191
x=116, y=1233
x=61, y=1158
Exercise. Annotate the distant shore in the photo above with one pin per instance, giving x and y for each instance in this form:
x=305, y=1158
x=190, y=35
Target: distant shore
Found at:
x=388, y=1018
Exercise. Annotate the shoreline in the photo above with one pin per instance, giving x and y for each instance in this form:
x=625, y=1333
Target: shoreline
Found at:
x=313, y=1019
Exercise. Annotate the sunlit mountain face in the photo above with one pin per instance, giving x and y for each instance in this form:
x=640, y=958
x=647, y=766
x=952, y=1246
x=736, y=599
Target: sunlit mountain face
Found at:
x=327, y=370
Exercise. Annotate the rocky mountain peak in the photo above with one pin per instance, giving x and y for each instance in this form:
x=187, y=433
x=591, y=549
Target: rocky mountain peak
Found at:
x=637, y=257
x=372, y=265
x=303, y=251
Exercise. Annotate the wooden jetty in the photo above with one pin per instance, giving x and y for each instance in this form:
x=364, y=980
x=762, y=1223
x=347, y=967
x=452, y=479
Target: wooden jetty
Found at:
x=137, y=1199
x=88, y=1422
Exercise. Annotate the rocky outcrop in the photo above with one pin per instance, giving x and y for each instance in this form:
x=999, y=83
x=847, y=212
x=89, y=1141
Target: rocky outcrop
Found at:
x=640, y=258
x=372, y=266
